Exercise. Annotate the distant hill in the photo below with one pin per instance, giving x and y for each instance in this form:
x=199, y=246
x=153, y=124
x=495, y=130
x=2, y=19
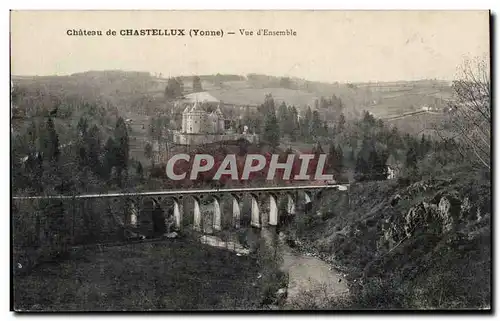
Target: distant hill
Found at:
x=130, y=90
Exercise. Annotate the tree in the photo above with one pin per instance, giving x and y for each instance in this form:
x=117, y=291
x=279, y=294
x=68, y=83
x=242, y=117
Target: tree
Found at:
x=157, y=128
x=82, y=127
x=121, y=147
x=139, y=170
x=316, y=125
x=174, y=88
x=271, y=132
x=424, y=146
x=197, y=84
x=148, y=152
x=293, y=125
x=370, y=163
x=268, y=106
x=378, y=161
x=283, y=118
x=411, y=157
x=317, y=149
x=335, y=158
x=361, y=169
x=109, y=157
x=470, y=112
x=93, y=142
x=50, y=143
x=337, y=104
x=340, y=126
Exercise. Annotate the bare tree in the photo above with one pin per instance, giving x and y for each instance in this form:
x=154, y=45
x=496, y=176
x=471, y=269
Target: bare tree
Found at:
x=470, y=111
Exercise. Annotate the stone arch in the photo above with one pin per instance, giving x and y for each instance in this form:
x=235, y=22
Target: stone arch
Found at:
x=245, y=203
x=172, y=210
x=148, y=211
x=215, y=201
x=287, y=207
x=173, y=213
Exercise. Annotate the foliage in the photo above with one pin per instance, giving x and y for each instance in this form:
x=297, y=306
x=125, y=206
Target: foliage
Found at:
x=197, y=84
x=470, y=111
x=174, y=88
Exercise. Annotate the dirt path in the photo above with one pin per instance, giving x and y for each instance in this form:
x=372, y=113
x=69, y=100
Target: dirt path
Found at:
x=310, y=274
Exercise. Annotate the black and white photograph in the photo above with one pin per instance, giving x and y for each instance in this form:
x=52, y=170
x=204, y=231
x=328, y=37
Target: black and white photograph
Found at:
x=264, y=160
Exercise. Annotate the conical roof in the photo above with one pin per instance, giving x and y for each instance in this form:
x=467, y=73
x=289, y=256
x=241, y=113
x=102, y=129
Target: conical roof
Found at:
x=196, y=107
x=218, y=111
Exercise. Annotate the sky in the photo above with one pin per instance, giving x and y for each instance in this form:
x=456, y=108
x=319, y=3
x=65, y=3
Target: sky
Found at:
x=343, y=46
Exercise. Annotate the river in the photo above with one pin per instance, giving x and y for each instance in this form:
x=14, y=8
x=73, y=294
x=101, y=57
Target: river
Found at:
x=311, y=281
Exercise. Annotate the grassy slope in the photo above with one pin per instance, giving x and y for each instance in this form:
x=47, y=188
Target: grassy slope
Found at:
x=425, y=123
x=171, y=275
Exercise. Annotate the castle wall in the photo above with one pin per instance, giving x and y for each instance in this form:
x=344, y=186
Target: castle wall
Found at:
x=195, y=122
x=194, y=139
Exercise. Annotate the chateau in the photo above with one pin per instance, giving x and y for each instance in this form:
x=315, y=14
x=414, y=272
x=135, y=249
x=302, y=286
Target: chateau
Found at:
x=200, y=126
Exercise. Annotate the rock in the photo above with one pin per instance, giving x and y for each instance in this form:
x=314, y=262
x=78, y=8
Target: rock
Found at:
x=395, y=200
x=208, y=230
x=281, y=296
x=465, y=207
x=171, y=235
x=449, y=211
x=134, y=236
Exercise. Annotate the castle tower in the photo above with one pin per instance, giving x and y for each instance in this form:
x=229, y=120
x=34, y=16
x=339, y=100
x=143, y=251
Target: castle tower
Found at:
x=220, y=116
x=185, y=115
x=195, y=119
x=212, y=123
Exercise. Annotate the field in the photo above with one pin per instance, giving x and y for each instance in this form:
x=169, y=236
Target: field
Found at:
x=255, y=96
x=423, y=123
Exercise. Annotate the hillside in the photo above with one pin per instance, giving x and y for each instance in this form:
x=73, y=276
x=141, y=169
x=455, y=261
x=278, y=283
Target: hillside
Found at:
x=133, y=90
x=427, y=123
x=255, y=96
x=417, y=246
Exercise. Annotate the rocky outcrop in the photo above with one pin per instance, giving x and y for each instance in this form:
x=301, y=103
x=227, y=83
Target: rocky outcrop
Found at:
x=439, y=213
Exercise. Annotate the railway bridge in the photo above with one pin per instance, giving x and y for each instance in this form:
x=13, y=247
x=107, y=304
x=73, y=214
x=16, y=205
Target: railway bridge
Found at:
x=98, y=217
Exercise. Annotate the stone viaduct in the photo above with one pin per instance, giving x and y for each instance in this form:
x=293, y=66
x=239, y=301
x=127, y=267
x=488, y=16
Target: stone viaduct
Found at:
x=264, y=203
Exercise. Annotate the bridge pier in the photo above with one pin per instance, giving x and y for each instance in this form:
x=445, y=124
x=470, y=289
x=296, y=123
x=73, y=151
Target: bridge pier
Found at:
x=236, y=212
x=291, y=204
x=178, y=214
x=273, y=210
x=196, y=214
x=255, y=221
x=217, y=215
x=307, y=202
x=127, y=209
x=133, y=215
